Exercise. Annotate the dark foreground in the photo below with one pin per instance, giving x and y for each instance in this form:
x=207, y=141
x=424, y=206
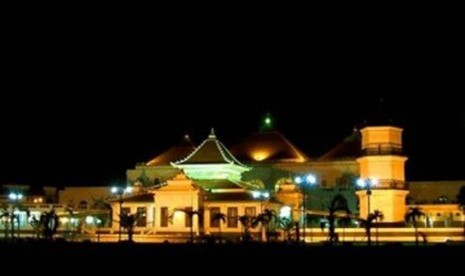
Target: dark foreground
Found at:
x=222, y=259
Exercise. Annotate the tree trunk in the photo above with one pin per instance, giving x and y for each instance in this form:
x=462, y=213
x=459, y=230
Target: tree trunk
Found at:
x=192, y=231
x=368, y=232
x=130, y=234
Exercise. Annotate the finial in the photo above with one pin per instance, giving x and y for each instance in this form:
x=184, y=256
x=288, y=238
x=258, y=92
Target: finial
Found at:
x=212, y=134
x=380, y=105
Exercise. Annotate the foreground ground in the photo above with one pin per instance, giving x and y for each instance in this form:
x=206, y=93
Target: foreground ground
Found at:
x=74, y=257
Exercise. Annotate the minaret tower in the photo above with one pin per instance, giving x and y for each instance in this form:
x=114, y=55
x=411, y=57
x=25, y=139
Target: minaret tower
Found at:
x=382, y=172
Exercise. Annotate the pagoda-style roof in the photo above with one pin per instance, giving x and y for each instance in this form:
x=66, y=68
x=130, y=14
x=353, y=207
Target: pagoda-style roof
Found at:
x=224, y=184
x=267, y=146
x=211, y=160
x=349, y=149
x=173, y=154
x=211, y=151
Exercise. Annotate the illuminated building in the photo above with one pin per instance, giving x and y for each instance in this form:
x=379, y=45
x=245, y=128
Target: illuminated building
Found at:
x=212, y=190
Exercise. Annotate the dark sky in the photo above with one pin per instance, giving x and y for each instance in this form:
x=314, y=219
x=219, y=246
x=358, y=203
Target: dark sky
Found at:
x=81, y=104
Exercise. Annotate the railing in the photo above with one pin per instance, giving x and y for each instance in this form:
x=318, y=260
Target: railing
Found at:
x=388, y=184
x=382, y=149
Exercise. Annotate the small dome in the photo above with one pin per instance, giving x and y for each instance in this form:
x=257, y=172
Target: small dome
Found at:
x=270, y=146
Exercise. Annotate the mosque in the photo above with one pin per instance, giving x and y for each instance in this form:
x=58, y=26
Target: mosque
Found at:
x=265, y=171
x=210, y=189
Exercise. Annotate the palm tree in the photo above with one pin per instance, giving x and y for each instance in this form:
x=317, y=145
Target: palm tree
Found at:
x=190, y=214
x=286, y=224
x=345, y=222
x=375, y=216
x=413, y=214
x=338, y=204
x=220, y=217
x=128, y=222
x=6, y=214
x=264, y=219
x=49, y=224
x=245, y=222
x=461, y=201
x=368, y=224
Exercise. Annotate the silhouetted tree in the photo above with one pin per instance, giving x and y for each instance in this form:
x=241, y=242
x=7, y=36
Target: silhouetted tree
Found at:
x=376, y=216
x=5, y=214
x=190, y=214
x=220, y=217
x=265, y=220
x=413, y=214
x=128, y=222
x=287, y=224
x=246, y=223
x=49, y=224
x=338, y=204
x=344, y=222
x=461, y=201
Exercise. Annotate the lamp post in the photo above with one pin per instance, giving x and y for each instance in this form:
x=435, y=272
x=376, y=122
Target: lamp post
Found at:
x=15, y=197
x=308, y=180
x=120, y=191
x=368, y=184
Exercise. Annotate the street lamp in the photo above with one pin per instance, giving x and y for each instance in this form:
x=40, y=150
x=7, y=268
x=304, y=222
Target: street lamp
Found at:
x=15, y=197
x=120, y=191
x=368, y=184
x=308, y=180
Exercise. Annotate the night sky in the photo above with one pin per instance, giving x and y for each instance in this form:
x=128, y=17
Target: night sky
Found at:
x=82, y=106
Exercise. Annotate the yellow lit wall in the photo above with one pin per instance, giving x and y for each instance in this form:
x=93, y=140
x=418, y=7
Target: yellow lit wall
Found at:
x=224, y=209
x=179, y=193
x=440, y=215
x=289, y=195
x=383, y=167
x=381, y=135
x=326, y=173
x=72, y=196
x=389, y=201
x=133, y=210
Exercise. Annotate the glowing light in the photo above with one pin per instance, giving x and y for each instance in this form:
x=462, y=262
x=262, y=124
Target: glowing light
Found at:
x=15, y=196
x=267, y=123
x=365, y=183
x=89, y=219
x=311, y=179
x=298, y=179
x=285, y=212
x=268, y=120
x=128, y=190
x=114, y=190
x=262, y=195
x=260, y=155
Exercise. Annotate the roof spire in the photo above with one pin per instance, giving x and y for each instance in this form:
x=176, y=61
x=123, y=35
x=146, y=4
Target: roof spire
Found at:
x=212, y=134
x=380, y=105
